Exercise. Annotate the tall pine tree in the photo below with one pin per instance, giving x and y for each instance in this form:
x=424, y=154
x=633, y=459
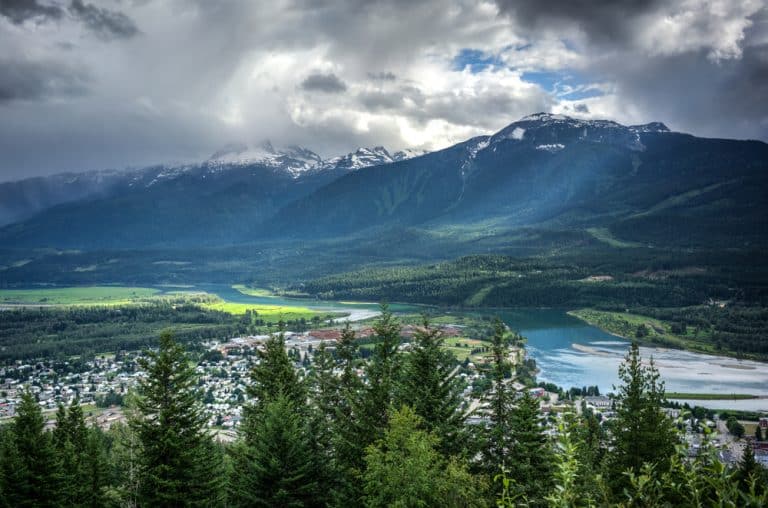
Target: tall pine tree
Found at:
x=429, y=386
x=178, y=463
x=641, y=433
x=531, y=461
x=498, y=439
x=37, y=480
x=277, y=463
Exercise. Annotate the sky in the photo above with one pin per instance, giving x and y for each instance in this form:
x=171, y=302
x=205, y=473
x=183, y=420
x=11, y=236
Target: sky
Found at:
x=97, y=84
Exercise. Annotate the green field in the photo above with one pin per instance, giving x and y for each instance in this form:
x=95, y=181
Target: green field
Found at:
x=461, y=348
x=269, y=313
x=87, y=295
x=119, y=296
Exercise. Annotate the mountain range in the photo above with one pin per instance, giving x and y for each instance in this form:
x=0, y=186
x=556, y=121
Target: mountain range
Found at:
x=543, y=174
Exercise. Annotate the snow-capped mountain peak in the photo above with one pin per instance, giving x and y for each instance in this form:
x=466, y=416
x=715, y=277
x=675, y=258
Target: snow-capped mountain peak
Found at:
x=293, y=159
x=554, y=132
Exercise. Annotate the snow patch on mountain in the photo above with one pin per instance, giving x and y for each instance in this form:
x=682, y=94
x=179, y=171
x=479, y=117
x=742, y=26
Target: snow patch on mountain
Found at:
x=552, y=147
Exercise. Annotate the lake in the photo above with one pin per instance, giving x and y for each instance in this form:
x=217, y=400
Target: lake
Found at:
x=570, y=352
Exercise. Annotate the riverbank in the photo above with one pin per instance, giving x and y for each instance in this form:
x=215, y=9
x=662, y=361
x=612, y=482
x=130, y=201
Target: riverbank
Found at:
x=652, y=332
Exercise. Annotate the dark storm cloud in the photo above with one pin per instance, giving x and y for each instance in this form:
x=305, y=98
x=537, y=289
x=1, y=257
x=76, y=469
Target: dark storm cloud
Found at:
x=328, y=83
x=22, y=80
x=693, y=94
x=103, y=22
x=581, y=108
x=601, y=20
x=19, y=11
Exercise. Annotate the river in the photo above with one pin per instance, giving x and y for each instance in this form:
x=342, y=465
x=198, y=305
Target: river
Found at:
x=570, y=352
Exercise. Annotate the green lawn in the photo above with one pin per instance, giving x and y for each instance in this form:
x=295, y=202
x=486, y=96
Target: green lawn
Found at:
x=87, y=295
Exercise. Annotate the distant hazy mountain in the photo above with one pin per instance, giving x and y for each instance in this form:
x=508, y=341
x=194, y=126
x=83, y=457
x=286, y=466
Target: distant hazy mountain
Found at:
x=223, y=199
x=622, y=184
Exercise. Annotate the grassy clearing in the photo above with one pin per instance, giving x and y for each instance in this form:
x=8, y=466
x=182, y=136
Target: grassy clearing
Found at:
x=88, y=295
x=710, y=396
x=269, y=313
x=461, y=348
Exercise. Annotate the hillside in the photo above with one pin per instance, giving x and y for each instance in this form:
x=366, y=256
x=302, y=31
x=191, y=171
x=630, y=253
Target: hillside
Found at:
x=638, y=184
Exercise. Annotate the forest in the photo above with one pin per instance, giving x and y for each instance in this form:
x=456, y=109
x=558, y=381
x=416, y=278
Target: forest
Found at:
x=62, y=332
x=390, y=430
x=726, y=304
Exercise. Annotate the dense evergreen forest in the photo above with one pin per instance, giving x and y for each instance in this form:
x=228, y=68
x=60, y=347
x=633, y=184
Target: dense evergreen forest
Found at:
x=727, y=304
x=62, y=332
x=387, y=431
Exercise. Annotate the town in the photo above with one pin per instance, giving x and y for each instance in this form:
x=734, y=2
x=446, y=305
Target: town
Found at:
x=103, y=386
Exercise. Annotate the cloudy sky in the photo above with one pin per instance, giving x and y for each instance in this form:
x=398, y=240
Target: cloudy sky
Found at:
x=92, y=84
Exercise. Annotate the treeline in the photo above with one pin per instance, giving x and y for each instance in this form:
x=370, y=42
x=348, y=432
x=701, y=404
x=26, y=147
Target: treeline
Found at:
x=499, y=281
x=61, y=332
x=502, y=281
x=395, y=435
x=739, y=328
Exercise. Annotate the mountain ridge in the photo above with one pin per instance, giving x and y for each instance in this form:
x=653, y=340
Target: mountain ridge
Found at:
x=642, y=184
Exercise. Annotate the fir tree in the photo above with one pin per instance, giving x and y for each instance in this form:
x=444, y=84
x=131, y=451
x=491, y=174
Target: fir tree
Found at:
x=370, y=404
x=429, y=386
x=274, y=375
x=499, y=433
x=275, y=466
x=82, y=458
x=346, y=427
x=38, y=479
x=749, y=474
x=178, y=466
x=530, y=458
x=404, y=468
x=641, y=433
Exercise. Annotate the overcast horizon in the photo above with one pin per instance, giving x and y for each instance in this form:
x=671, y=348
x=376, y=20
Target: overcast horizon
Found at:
x=129, y=83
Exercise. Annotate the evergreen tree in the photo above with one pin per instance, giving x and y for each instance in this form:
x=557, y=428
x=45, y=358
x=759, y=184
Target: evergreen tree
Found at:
x=530, y=458
x=323, y=414
x=641, y=433
x=346, y=427
x=371, y=402
x=14, y=481
x=381, y=372
x=405, y=469
x=178, y=466
x=275, y=466
x=37, y=482
x=749, y=473
x=429, y=386
x=499, y=434
x=274, y=375
x=82, y=458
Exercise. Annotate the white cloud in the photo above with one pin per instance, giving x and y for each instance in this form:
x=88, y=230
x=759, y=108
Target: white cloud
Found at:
x=201, y=74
